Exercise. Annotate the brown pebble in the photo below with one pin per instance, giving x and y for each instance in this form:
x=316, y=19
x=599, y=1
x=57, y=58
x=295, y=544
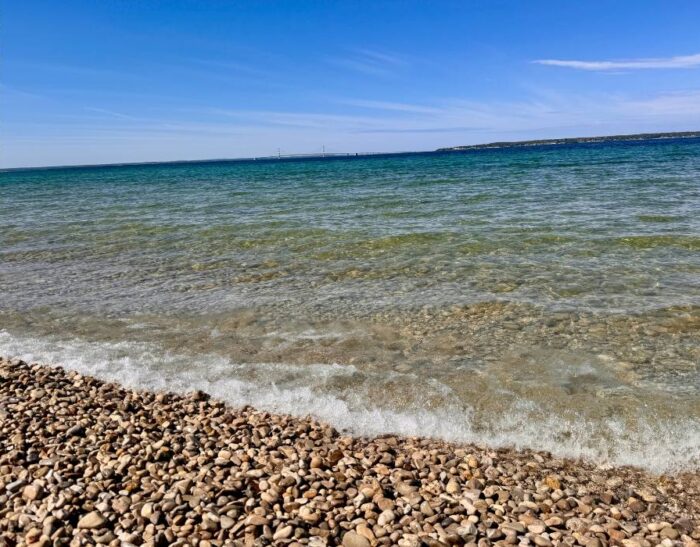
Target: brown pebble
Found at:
x=32, y=492
x=352, y=539
x=91, y=521
x=283, y=532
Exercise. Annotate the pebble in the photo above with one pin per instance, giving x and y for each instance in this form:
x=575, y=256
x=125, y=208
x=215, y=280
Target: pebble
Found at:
x=32, y=492
x=92, y=520
x=147, y=510
x=386, y=517
x=453, y=487
x=226, y=522
x=256, y=520
x=670, y=533
x=88, y=462
x=352, y=539
x=283, y=533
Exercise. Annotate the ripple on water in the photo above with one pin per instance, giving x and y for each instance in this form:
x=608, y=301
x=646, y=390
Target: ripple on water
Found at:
x=547, y=298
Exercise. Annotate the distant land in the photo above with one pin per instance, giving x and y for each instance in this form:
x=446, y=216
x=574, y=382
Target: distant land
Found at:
x=340, y=155
x=574, y=140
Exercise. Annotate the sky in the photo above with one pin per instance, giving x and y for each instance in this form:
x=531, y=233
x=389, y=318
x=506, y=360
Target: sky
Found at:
x=111, y=81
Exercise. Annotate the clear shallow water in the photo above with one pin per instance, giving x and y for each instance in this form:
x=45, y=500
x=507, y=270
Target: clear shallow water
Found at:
x=545, y=297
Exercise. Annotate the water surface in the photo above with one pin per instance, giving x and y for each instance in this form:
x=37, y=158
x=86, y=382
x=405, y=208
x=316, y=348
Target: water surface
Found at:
x=546, y=297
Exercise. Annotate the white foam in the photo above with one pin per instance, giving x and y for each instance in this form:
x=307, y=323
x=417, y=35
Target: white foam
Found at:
x=309, y=334
x=314, y=390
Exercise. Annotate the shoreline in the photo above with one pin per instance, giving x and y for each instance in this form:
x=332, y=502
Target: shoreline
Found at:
x=88, y=461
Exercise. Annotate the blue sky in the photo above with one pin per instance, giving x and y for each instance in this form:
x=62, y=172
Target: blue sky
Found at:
x=105, y=81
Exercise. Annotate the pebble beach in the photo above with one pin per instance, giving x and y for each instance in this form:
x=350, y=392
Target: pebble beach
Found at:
x=355, y=274
x=85, y=462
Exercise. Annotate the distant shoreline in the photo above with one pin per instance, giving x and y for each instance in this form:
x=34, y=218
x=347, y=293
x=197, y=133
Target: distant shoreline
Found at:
x=575, y=140
x=350, y=155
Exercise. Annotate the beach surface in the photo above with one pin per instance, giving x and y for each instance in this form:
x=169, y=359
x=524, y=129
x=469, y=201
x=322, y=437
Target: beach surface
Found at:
x=88, y=462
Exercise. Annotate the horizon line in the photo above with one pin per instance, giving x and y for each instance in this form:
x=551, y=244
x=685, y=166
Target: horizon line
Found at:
x=349, y=155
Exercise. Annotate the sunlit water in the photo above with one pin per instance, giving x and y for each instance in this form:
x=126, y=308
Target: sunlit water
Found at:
x=545, y=297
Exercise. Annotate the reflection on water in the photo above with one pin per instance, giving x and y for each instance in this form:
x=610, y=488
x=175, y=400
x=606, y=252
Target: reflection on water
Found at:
x=545, y=297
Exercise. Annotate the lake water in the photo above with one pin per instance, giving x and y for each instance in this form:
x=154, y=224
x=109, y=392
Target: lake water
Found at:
x=543, y=297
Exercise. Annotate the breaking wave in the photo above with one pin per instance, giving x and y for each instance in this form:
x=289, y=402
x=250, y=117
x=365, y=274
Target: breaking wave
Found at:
x=351, y=400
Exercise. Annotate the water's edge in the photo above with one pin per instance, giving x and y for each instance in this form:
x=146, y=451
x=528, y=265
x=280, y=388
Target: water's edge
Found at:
x=312, y=390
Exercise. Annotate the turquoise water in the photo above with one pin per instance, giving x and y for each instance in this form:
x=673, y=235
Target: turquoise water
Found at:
x=546, y=297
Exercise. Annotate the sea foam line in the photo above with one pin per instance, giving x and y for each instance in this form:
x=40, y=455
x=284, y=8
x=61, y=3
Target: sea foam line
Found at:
x=303, y=390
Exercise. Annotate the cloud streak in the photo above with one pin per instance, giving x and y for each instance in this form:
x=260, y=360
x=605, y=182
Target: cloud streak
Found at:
x=111, y=113
x=391, y=106
x=370, y=62
x=380, y=56
x=233, y=67
x=682, y=61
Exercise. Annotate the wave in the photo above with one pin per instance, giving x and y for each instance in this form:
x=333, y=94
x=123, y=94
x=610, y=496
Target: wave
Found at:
x=359, y=402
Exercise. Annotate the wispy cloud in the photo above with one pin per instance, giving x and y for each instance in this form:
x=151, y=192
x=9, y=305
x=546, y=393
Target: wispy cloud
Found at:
x=391, y=106
x=370, y=61
x=81, y=71
x=10, y=90
x=233, y=66
x=417, y=130
x=682, y=61
x=381, y=56
x=308, y=120
x=669, y=104
x=110, y=113
x=544, y=110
